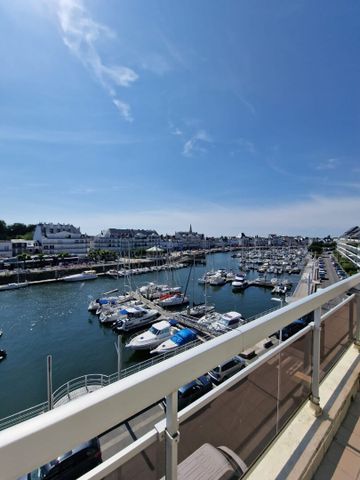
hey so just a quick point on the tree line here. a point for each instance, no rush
(16, 230)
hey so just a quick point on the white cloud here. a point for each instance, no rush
(196, 143)
(124, 109)
(329, 164)
(175, 130)
(80, 34)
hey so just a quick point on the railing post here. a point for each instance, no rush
(357, 320)
(119, 359)
(315, 381)
(49, 383)
(172, 436)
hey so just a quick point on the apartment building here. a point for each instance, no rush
(61, 238)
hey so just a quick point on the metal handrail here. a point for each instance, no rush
(26, 414)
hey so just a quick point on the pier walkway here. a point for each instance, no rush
(305, 286)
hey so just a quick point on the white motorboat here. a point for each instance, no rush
(134, 317)
(151, 338)
(80, 277)
(182, 337)
(226, 322)
(99, 303)
(239, 283)
(217, 280)
(108, 314)
(13, 286)
(280, 289)
(112, 273)
(209, 318)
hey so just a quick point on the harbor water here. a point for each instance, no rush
(53, 319)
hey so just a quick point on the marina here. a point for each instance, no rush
(54, 319)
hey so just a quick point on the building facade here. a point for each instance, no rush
(54, 239)
(5, 249)
(125, 240)
(348, 245)
(189, 240)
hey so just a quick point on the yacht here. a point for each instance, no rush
(200, 310)
(217, 280)
(239, 283)
(182, 337)
(80, 277)
(226, 322)
(151, 338)
(108, 314)
(99, 302)
(209, 318)
(173, 300)
(134, 317)
(153, 290)
(13, 286)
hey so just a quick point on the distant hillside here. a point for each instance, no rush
(16, 230)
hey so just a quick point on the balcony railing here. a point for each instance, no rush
(242, 415)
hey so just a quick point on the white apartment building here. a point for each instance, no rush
(5, 249)
(124, 240)
(348, 245)
(61, 238)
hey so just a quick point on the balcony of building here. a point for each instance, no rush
(274, 419)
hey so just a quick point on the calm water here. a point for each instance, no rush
(53, 319)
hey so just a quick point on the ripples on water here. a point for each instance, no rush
(53, 319)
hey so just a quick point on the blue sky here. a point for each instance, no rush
(235, 116)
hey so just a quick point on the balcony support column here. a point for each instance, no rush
(315, 380)
(172, 436)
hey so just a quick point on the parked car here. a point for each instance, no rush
(71, 465)
(227, 369)
(192, 391)
(292, 328)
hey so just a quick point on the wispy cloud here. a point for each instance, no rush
(156, 63)
(80, 34)
(196, 143)
(174, 130)
(246, 103)
(11, 134)
(174, 52)
(329, 164)
(246, 145)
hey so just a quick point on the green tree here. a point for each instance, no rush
(22, 257)
(3, 230)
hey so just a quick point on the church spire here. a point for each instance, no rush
(190, 230)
